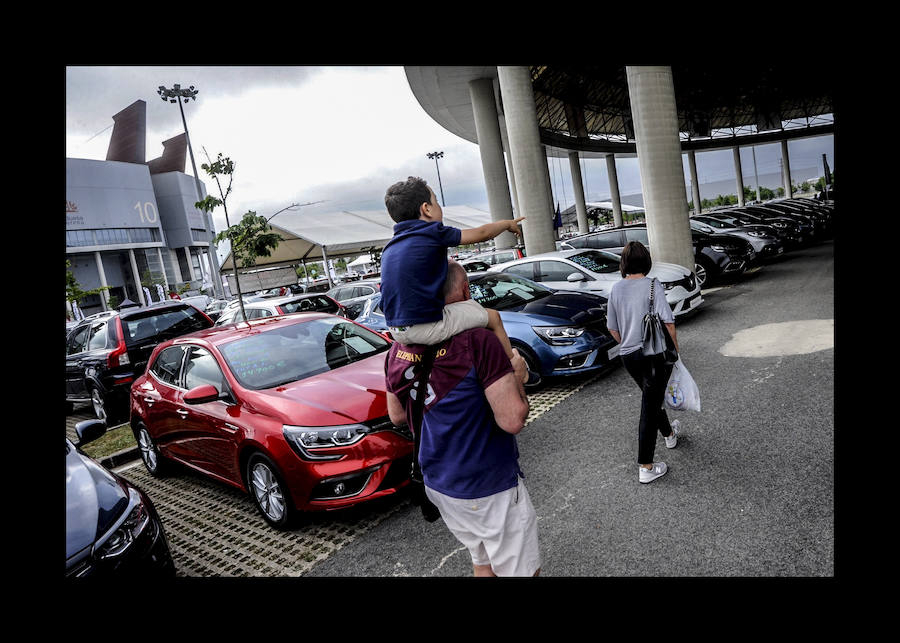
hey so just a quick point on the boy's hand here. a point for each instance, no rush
(514, 225)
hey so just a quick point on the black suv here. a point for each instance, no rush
(104, 355)
(715, 255)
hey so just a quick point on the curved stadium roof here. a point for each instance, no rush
(587, 108)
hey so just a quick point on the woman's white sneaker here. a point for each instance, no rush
(672, 440)
(649, 475)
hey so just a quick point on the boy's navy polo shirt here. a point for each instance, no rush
(413, 270)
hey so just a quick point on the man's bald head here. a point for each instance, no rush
(456, 286)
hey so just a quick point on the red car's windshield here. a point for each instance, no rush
(286, 354)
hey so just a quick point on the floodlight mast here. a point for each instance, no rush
(177, 95)
(436, 156)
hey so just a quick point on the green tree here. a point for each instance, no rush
(74, 291)
(251, 237)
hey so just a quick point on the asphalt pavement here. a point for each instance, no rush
(750, 488)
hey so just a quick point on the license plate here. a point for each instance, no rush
(780, 250)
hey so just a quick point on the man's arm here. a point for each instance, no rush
(508, 402)
(489, 231)
(395, 410)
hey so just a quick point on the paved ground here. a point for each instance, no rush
(750, 490)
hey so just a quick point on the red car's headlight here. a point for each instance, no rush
(309, 439)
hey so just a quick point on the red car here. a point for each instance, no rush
(290, 409)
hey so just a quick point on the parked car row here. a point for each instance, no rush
(729, 241)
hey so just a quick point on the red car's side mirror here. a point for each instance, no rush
(201, 394)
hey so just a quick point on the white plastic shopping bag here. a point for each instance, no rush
(681, 391)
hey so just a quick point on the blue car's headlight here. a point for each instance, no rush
(120, 538)
(558, 335)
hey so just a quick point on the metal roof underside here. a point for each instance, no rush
(343, 234)
(587, 108)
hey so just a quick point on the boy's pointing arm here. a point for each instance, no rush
(489, 231)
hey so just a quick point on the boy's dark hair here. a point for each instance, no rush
(404, 199)
(635, 259)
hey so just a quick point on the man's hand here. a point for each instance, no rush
(514, 225)
(519, 366)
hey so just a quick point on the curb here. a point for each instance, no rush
(119, 458)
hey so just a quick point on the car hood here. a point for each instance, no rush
(562, 307)
(345, 395)
(668, 271)
(94, 500)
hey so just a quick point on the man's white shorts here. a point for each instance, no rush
(498, 530)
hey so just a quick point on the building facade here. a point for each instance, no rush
(132, 224)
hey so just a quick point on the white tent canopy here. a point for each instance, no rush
(307, 236)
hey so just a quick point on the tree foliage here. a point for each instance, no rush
(74, 291)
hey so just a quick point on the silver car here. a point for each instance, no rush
(354, 295)
(595, 271)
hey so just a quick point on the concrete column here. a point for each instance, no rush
(695, 185)
(512, 184)
(613, 178)
(512, 175)
(786, 170)
(653, 110)
(490, 145)
(104, 294)
(137, 277)
(547, 162)
(190, 264)
(529, 164)
(161, 263)
(738, 175)
(578, 187)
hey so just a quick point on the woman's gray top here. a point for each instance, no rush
(629, 301)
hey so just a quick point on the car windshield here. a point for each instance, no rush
(702, 227)
(160, 325)
(715, 223)
(317, 302)
(596, 261)
(276, 356)
(499, 291)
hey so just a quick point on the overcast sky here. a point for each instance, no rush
(337, 134)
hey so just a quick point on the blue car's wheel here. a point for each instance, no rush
(532, 363)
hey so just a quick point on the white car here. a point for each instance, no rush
(595, 271)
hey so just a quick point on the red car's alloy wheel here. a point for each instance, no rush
(268, 491)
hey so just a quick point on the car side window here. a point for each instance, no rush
(97, 338)
(202, 368)
(168, 364)
(522, 270)
(554, 271)
(639, 234)
(77, 340)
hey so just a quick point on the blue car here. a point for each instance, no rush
(557, 332)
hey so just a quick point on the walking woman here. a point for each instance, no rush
(629, 301)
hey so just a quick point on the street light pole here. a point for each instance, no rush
(177, 95)
(436, 156)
